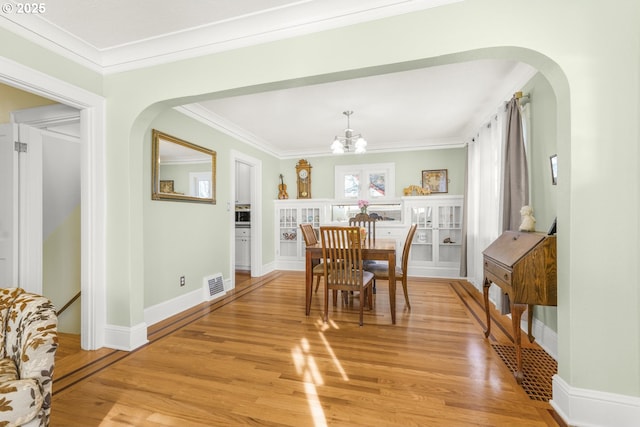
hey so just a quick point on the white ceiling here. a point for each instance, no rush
(430, 107)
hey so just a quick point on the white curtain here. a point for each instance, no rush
(484, 185)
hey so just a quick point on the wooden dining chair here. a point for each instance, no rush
(309, 235)
(366, 221)
(343, 267)
(380, 270)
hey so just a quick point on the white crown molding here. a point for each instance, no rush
(207, 117)
(197, 112)
(42, 33)
(299, 18)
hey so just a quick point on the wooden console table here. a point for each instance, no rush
(524, 266)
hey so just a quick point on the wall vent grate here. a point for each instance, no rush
(214, 286)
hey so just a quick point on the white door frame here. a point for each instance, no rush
(93, 175)
(256, 213)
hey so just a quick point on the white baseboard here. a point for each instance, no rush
(268, 268)
(166, 309)
(589, 408)
(130, 338)
(126, 338)
(546, 337)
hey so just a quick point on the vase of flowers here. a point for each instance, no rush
(363, 205)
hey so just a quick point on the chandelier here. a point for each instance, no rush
(349, 141)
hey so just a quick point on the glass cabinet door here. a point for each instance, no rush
(311, 216)
(449, 233)
(422, 249)
(288, 232)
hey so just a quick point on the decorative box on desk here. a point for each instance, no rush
(524, 266)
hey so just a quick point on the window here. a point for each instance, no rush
(367, 182)
(200, 184)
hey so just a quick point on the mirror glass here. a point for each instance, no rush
(181, 170)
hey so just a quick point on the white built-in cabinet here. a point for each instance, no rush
(243, 183)
(436, 246)
(435, 250)
(289, 241)
(243, 248)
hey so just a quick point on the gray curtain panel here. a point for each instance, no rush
(516, 175)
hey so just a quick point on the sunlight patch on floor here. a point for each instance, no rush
(307, 368)
(333, 356)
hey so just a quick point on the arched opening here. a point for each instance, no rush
(547, 68)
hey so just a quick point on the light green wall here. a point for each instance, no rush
(408, 166)
(592, 73)
(544, 196)
(193, 239)
(61, 271)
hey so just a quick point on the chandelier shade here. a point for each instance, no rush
(350, 141)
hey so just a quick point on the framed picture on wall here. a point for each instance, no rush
(166, 186)
(554, 169)
(436, 180)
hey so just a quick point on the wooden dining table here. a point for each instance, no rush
(373, 249)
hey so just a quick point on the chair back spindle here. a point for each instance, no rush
(366, 221)
(343, 266)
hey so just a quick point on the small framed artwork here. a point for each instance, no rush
(166, 186)
(435, 180)
(554, 169)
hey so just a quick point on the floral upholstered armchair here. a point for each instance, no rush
(29, 340)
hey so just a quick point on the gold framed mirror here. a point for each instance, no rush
(181, 171)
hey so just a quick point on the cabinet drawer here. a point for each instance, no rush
(493, 269)
(389, 233)
(243, 232)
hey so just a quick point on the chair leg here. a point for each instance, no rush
(362, 300)
(326, 302)
(317, 284)
(374, 285)
(406, 293)
(370, 295)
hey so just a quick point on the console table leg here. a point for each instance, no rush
(516, 315)
(485, 292)
(530, 322)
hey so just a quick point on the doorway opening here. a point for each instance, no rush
(246, 218)
(91, 108)
(44, 198)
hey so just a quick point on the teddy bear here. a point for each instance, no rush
(528, 221)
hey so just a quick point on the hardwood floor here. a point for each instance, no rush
(253, 358)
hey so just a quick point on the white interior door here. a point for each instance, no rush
(7, 203)
(30, 217)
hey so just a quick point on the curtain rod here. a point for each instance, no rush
(523, 98)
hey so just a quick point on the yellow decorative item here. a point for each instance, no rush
(416, 190)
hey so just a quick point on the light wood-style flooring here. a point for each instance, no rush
(253, 358)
